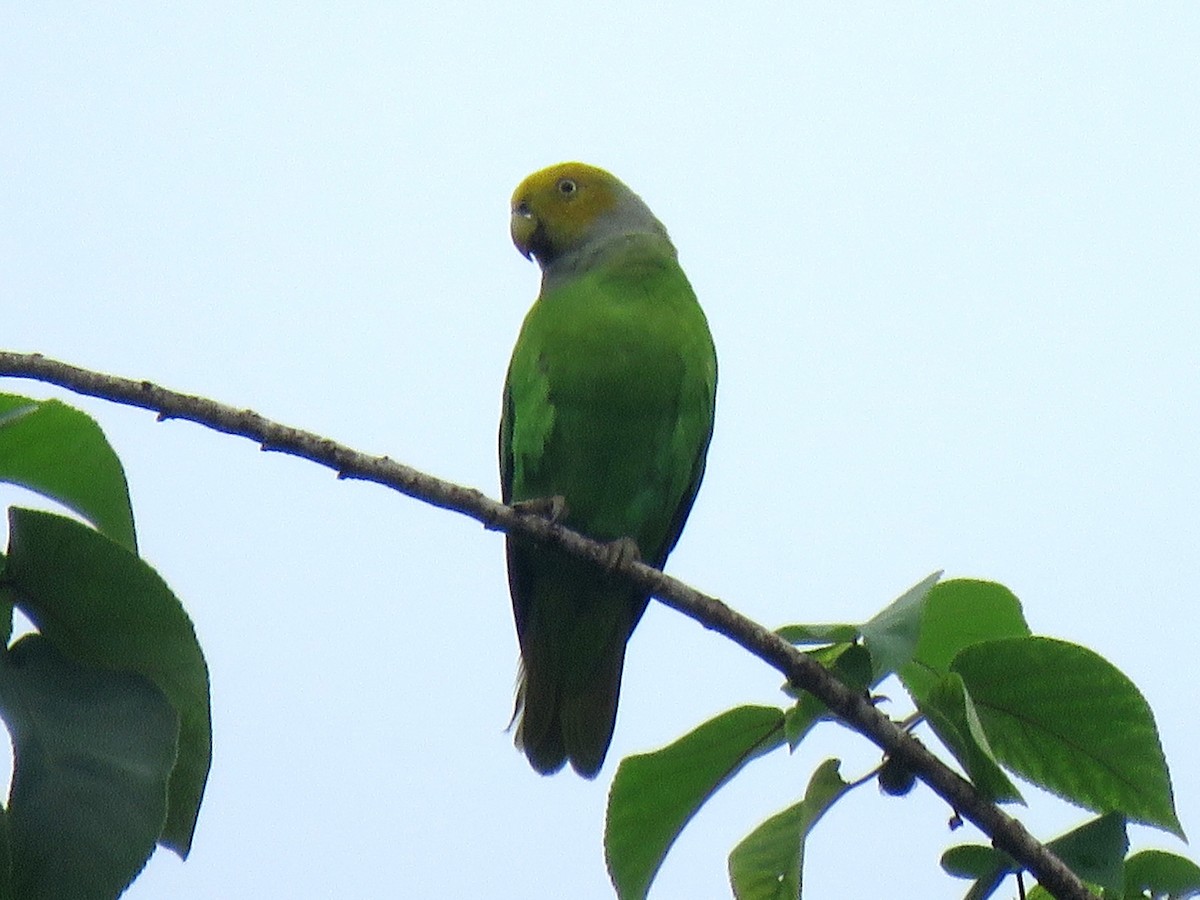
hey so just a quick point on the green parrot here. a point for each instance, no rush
(608, 411)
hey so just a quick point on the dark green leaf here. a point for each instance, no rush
(959, 613)
(892, 635)
(800, 719)
(768, 864)
(831, 657)
(974, 861)
(654, 795)
(61, 453)
(1095, 851)
(986, 866)
(852, 667)
(1161, 875)
(103, 606)
(950, 712)
(850, 664)
(93, 750)
(1068, 720)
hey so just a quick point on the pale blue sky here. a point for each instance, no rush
(951, 259)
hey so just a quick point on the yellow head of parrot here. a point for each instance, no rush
(554, 210)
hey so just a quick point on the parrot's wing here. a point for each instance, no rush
(506, 458)
(696, 476)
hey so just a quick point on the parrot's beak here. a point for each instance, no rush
(522, 227)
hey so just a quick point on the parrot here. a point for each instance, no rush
(608, 411)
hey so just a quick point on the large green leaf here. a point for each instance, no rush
(768, 864)
(103, 606)
(1068, 720)
(958, 613)
(654, 795)
(61, 453)
(93, 750)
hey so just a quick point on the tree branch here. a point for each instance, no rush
(800, 669)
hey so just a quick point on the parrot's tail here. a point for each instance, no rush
(560, 722)
(538, 734)
(587, 718)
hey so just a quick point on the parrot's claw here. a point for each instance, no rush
(553, 508)
(622, 550)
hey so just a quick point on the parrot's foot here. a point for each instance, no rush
(622, 550)
(552, 508)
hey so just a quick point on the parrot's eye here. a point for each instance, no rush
(522, 209)
(567, 187)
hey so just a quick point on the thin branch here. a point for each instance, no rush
(800, 669)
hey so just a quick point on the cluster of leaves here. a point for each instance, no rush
(107, 701)
(996, 696)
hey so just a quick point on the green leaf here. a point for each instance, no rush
(61, 453)
(1159, 874)
(93, 750)
(850, 664)
(975, 861)
(1067, 719)
(799, 720)
(959, 613)
(950, 712)
(818, 634)
(1095, 851)
(852, 667)
(986, 866)
(654, 795)
(892, 635)
(768, 863)
(103, 606)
